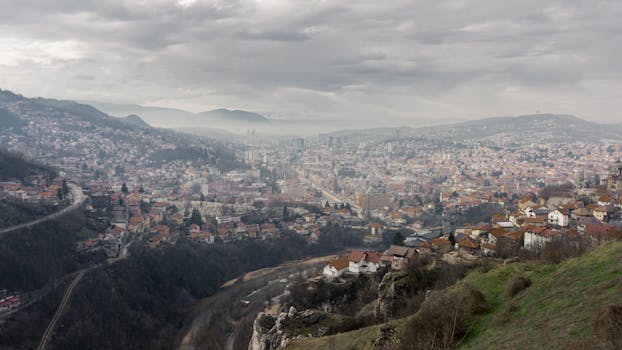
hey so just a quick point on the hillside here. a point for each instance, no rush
(157, 116)
(79, 112)
(552, 127)
(15, 167)
(135, 120)
(518, 129)
(171, 117)
(233, 116)
(56, 130)
(9, 120)
(558, 311)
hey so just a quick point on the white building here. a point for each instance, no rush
(559, 218)
(335, 268)
(536, 239)
(362, 261)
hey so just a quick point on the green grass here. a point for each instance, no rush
(85, 234)
(360, 339)
(557, 310)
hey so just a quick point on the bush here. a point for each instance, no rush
(267, 321)
(445, 319)
(608, 326)
(515, 285)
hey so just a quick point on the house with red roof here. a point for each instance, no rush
(335, 268)
(363, 261)
(399, 257)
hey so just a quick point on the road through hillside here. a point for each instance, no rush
(77, 198)
(223, 321)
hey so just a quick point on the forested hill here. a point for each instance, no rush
(15, 167)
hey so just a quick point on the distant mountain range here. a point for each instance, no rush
(526, 128)
(237, 116)
(40, 127)
(176, 118)
(534, 127)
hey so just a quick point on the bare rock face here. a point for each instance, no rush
(388, 297)
(268, 331)
(263, 332)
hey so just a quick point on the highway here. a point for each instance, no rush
(77, 199)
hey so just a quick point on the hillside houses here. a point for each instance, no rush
(398, 257)
(335, 268)
(363, 261)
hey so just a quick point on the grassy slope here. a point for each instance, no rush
(360, 339)
(559, 307)
(557, 310)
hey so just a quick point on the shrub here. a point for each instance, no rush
(267, 321)
(608, 326)
(516, 284)
(444, 319)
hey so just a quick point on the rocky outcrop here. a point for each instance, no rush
(272, 333)
(261, 338)
(389, 298)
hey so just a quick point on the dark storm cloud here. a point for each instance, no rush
(358, 60)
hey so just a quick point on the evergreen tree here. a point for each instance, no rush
(141, 190)
(124, 188)
(65, 188)
(196, 217)
(285, 213)
(452, 240)
(326, 205)
(398, 239)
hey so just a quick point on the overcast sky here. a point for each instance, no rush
(353, 60)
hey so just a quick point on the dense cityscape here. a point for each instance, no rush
(294, 175)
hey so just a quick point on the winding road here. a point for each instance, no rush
(77, 199)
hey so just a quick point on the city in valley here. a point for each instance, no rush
(272, 175)
(416, 209)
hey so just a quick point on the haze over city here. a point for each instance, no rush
(293, 175)
(362, 63)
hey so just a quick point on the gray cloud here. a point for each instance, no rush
(361, 61)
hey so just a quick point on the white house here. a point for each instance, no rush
(536, 239)
(363, 261)
(559, 218)
(335, 268)
(376, 228)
